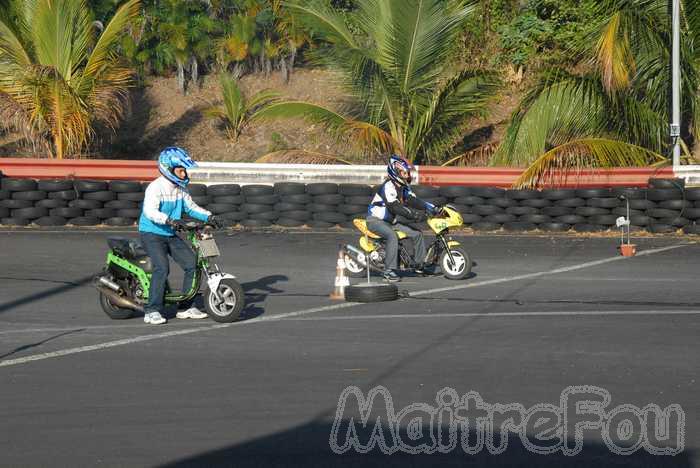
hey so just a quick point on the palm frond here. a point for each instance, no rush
(300, 109)
(323, 20)
(614, 58)
(556, 165)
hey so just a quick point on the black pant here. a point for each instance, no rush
(158, 247)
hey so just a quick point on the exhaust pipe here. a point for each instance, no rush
(361, 258)
(109, 283)
(111, 290)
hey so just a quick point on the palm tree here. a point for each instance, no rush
(237, 111)
(58, 77)
(392, 59)
(615, 111)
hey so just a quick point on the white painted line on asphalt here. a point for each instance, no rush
(277, 317)
(539, 274)
(566, 313)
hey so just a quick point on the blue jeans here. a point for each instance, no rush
(158, 248)
(386, 231)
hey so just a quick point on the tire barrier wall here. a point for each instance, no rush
(665, 205)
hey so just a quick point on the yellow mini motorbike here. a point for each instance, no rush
(444, 251)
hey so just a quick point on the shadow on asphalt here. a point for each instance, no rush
(39, 343)
(309, 445)
(46, 293)
(256, 293)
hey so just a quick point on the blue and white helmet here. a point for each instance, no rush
(173, 157)
(399, 170)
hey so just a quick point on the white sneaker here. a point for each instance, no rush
(154, 318)
(191, 313)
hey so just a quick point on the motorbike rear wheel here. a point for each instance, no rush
(353, 268)
(114, 312)
(227, 307)
(460, 268)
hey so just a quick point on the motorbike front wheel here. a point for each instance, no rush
(229, 303)
(459, 268)
(353, 268)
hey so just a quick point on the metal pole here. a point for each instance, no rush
(676, 82)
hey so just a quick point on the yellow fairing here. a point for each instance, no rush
(453, 243)
(453, 219)
(367, 245)
(402, 235)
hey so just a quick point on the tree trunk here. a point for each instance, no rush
(194, 71)
(238, 70)
(292, 58)
(284, 70)
(181, 77)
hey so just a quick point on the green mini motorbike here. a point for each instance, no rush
(125, 281)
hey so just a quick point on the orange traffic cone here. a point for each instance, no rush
(340, 279)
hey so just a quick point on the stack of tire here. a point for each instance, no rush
(74, 202)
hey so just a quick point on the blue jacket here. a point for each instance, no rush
(165, 200)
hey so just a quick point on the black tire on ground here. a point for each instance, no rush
(642, 204)
(220, 208)
(250, 208)
(640, 220)
(570, 219)
(471, 200)
(90, 185)
(555, 227)
(31, 195)
(49, 203)
(358, 200)
(535, 219)
(287, 222)
(692, 193)
(197, 190)
(5, 194)
(603, 220)
(692, 213)
(85, 204)
(558, 194)
(235, 215)
(66, 212)
(56, 185)
(320, 208)
(500, 218)
(604, 202)
(591, 211)
(536, 202)
(486, 210)
(17, 185)
(671, 183)
(488, 192)
(355, 190)
(677, 222)
(301, 199)
(131, 196)
(349, 224)
(594, 193)
(121, 186)
(203, 200)
(557, 211)
(587, 227)
(661, 213)
(14, 221)
(256, 223)
(517, 226)
(622, 211)
(352, 209)
(330, 217)
(470, 218)
(221, 190)
(289, 188)
(439, 201)
(630, 193)
(228, 199)
(503, 202)
(30, 213)
(282, 207)
(692, 229)
(571, 202)
(316, 224)
(329, 199)
(657, 228)
(67, 195)
(129, 213)
(455, 191)
(425, 191)
(114, 312)
(464, 209)
(486, 226)
(50, 221)
(121, 204)
(674, 204)
(664, 194)
(268, 215)
(117, 221)
(524, 194)
(372, 292)
(4, 212)
(262, 199)
(321, 188)
(102, 195)
(16, 204)
(84, 221)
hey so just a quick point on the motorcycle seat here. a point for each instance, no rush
(131, 249)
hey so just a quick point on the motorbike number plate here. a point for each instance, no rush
(208, 248)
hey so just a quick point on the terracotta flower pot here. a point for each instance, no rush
(628, 250)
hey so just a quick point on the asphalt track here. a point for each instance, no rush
(539, 315)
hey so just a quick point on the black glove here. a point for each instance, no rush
(215, 221)
(176, 224)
